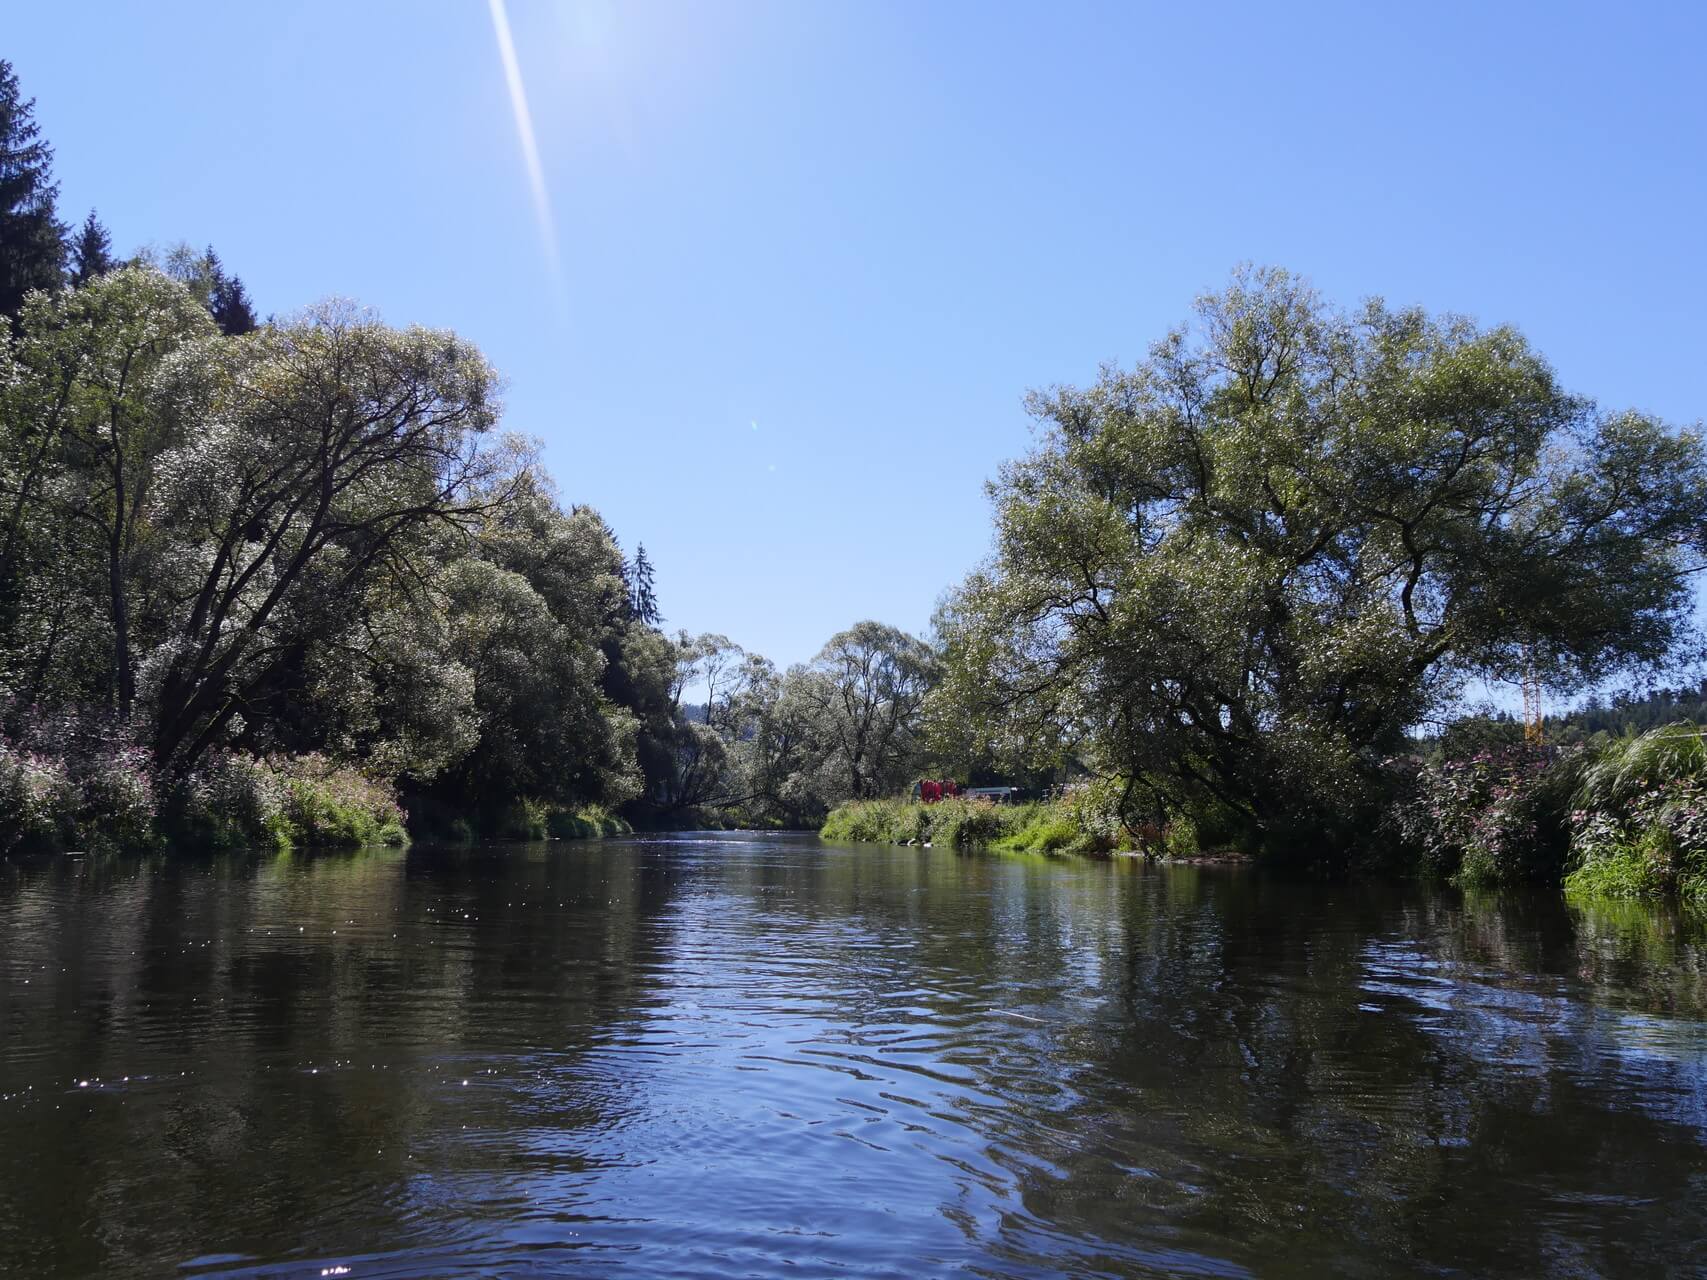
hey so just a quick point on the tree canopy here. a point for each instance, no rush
(1244, 567)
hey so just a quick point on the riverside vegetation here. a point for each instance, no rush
(1232, 582)
(1611, 817)
(288, 581)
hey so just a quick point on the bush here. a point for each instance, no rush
(234, 801)
(590, 822)
(1498, 817)
(118, 806)
(526, 819)
(328, 806)
(109, 800)
(38, 802)
(1640, 825)
(1043, 829)
(1083, 821)
(231, 801)
(523, 819)
(877, 822)
(963, 823)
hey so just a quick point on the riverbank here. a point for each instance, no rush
(1620, 818)
(115, 803)
(1058, 826)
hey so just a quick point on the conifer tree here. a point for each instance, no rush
(643, 600)
(91, 251)
(230, 306)
(32, 240)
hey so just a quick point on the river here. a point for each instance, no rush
(734, 1055)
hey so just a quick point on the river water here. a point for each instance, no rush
(730, 1055)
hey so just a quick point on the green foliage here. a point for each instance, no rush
(529, 819)
(222, 294)
(326, 805)
(879, 821)
(523, 819)
(119, 806)
(32, 241)
(1640, 823)
(1626, 818)
(230, 801)
(961, 823)
(765, 748)
(1619, 871)
(1076, 823)
(1493, 818)
(1628, 770)
(37, 801)
(1244, 567)
(1043, 829)
(111, 801)
(1636, 710)
(589, 822)
(91, 251)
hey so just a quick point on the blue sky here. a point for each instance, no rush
(812, 254)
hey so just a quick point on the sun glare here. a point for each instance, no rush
(525, 135)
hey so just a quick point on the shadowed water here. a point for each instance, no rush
(711, 1056)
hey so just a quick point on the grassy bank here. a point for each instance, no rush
(112, 802)
(1620, 818)
(1080, 823)
(535, 820)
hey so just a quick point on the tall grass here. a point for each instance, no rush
(1065, 825)
(529, 819)
(110, 800)
(1639, 825)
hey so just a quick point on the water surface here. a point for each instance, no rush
(719, 1056)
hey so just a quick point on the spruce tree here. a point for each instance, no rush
(32, 240)
(643, 602)
(91, 251)
(229, 304)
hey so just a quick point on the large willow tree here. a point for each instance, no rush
(1236, 573)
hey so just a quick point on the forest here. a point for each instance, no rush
(292, 581)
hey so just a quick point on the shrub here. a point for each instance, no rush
(963, 823)
(329, 806)
(1041, 830)
(590, 822)
(878, 822)
(1083, 821)
(231, 801)
(1498, 817)
(38, 801)
(1640, 825)
(523, 819)
(118, 805)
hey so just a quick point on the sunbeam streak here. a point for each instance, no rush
(524, 133)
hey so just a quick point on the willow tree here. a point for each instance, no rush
(1239, 571)
(81, 429)
(865, 694)
(318, 459)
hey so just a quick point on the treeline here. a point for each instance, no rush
(1633, 711)
(263, 583)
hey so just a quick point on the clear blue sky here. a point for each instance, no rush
(813, 254)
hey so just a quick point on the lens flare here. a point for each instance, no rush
(524, 134)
